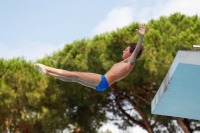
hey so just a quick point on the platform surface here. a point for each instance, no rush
(179, 93)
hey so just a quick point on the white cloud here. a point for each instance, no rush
(140, 12)
(27, 49)
(185, 7)
(117, 18)
(144, 13)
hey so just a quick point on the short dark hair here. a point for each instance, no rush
(132, 48)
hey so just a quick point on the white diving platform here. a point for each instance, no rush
(179, 93)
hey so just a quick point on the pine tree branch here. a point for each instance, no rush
(141, 98)
(126, 114)
(158, 119)
(146, 123)
(197, 128)
(182, 125)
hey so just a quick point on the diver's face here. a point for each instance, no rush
(126, 53)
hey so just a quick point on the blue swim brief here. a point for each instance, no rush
(103, 84)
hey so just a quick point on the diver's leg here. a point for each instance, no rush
(83, 77)
(72, 80)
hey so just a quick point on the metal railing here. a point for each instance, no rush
(196, 47)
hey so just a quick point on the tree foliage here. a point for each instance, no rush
(33, 103)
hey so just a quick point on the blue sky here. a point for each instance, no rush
(35, 28)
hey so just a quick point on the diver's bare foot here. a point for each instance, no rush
(40, 68)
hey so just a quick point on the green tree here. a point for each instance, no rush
(21, 93)
(31, 102)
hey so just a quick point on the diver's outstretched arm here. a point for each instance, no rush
(133, 57)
